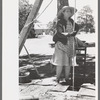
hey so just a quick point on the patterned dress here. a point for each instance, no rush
(63, 53)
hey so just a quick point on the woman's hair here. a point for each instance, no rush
(61, 16)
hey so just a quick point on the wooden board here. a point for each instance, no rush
(59, 88)
(40, 91)
(30, 83)
(87, 90)
(47, 82)
(58, 92)
(29, 90)
(88, 86)
(28, 97)
(21, 88)
(37, 91)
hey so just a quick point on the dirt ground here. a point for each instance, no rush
(41, 45)
(41, 52)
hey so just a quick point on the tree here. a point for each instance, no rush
(28, 24)
(24, 10)
(86, 20)
(49, 25)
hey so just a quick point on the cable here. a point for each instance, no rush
(27, 26)
(39, 15)
(45, 9)
(31, 60)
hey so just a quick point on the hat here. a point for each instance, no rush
(73, 10)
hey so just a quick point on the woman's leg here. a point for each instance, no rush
(67, 72)
(58, 72)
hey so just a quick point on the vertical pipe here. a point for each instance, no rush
(73, 53)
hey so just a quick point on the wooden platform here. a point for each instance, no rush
(48, 89)
(87, 90)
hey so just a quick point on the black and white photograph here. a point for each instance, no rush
(57, 50)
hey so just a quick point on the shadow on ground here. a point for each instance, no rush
(42, 63)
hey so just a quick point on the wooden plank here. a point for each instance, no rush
(81, 48)
(88, 86)
(27, 90)
(87, 90)
(54, 96)
(40, 91)
(22, 88)
(61, 3)
(28, 97)
(60, 88)
(26, 29)
(35, 91)
(74, 95)
(48, 82)
(33, 82)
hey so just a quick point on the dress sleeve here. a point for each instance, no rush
(76, 27)
(60, 30)
(76, 30)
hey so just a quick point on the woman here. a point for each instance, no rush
(64, 41)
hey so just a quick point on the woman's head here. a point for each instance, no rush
(66, 12)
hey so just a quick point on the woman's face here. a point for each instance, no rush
(67, 13)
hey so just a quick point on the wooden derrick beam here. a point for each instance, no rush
(61, 3)
(26, 29)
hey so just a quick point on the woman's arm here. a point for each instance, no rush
(60, 30)
(76, 29)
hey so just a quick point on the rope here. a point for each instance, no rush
(73, 50)
(45, 8)
(27, 26)
(31, 60)
(39, 15)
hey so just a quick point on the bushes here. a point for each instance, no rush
(24, 10)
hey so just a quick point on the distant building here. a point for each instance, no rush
(41, 29)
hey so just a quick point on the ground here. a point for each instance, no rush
(41, 45)
(41, 52)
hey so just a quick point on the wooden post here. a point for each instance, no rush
(26, 29)
(61, 3)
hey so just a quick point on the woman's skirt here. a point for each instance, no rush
(60, 57)
(65, 55)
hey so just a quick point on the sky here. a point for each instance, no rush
(50, 12)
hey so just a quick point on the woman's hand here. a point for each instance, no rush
(72, 32)
(64, 33)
